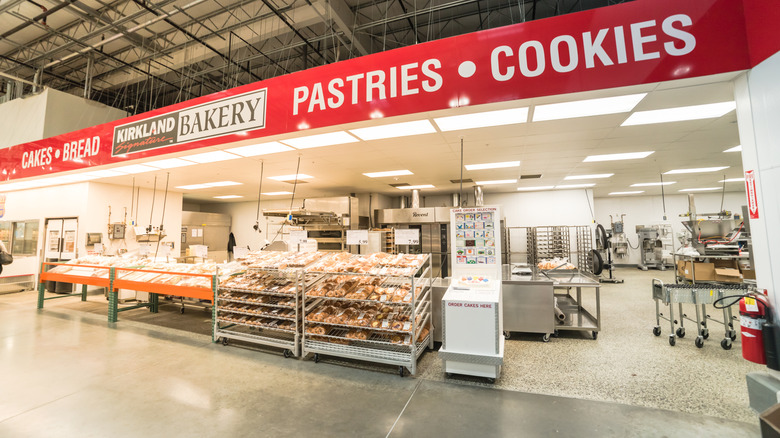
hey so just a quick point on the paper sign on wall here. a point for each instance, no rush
(240, 252)
(200, 250)
(357, 237)
(98, 247)
(297, 237)
(194, 232)
(407, 237)
(144, 250)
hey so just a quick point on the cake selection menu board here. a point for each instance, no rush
(476, 237)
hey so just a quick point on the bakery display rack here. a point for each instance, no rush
(382, 315)
(262, 306)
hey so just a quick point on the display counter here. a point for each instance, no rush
(529, 305)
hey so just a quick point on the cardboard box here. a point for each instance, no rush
(748, 274)
(727, 275)
(770, 422)
(731, 264)
(701, 271)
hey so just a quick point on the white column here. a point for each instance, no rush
(757, 95)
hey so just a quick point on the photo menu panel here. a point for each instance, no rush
(476, 232)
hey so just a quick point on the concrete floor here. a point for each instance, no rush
(66, 372)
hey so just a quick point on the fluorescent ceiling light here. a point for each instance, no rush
(210, 157)
(277, 193)
(534, 189)
(701, 189)
(665, 183)
(593, 176)
(207, 185)
(290, 177)
(733, 180)
(194, 187)
(636, 192)
(315, 141)
(737, 148)
(587, 108)
(422, 186)
(499, 165)
(223, 184)
(496, 181)
(681, 114)
(170, 163)
(104, 173)
(394, 130)
(259, 149)
(482, 120)
(574, 186)
(77, 177)
(615, 157)
(228, 197)
(696, 170)
(388, 173)
(135, 168)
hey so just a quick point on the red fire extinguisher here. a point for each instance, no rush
(752, 317)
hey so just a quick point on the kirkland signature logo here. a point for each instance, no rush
(233, 114)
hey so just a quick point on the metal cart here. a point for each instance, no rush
(577, 318)
(699, 295)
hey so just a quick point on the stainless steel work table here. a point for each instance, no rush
(577, 317)
(528, 303)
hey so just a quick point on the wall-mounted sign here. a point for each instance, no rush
(407, 237)
(357, 237)
(752, 196)
(604, 48)
(296, 237)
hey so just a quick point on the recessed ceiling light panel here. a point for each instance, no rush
(695, 170)
(635, 192)
(587, 108)
(404, 129)
(210, 157)
(388, 173)
(650, 184)
(319, 140)
(259, 149)
(701, 189)
(228, 197)
(417, 187)
(593, 176)
(737, 148)
(499, 165)
(276, 193)
(483, 119)
(615, 157)
(574, 186)
(681, 114)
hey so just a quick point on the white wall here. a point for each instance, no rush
(66, 113)
(22, 120)
(89, 203)
(538, 209)
(758, 112)
(243, 216)
(50, 113)
(648, 210)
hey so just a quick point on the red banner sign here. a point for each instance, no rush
(752, 196)
(644, 41)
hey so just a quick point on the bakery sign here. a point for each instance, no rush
(244, 112)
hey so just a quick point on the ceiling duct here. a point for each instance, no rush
(478, 197)
(415, 199)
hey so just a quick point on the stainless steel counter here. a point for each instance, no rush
(528, 302)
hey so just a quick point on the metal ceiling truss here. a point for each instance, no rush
(142, 54)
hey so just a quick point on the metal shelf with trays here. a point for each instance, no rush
(375, 340)
(267, 316)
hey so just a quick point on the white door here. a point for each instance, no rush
(53, 238)
(61, 238)
(69, 233)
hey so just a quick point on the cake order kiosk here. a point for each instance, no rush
(473, 341)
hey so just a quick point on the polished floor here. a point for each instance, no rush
(65, 372)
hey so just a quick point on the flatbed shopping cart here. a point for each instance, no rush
(699, 295)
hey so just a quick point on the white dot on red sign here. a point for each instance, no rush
(57, 153)
(467, 69)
